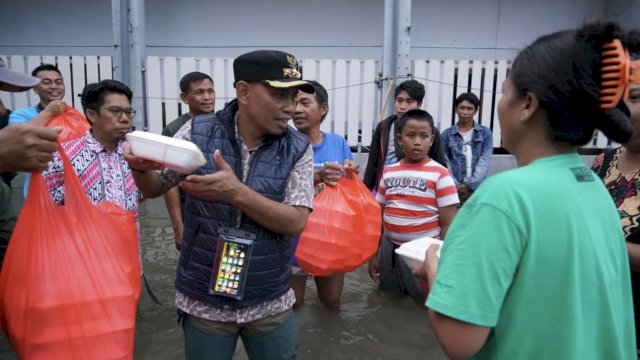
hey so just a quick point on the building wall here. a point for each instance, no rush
(491, 29)
(440, 29)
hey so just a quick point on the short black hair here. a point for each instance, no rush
(190, 78)
(414, 89)
(470, 97)
(45, 67)
(562, 70)
(320, 94)
(93, 94)
(415, 114)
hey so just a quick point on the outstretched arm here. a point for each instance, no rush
(224, 185)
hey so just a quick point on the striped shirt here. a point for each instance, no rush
(412, 195)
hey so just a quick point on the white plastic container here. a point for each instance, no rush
(413, 251)
(179, 155)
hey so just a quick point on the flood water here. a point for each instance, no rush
(369, 324)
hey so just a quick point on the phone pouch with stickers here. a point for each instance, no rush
(232, 262)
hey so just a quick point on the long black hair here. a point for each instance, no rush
(563, 71)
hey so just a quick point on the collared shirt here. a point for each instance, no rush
(298, 192)
(104, 174)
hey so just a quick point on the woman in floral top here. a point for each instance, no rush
(620, 170)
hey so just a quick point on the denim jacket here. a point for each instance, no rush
(481, 151)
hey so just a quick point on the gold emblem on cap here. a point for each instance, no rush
(291, 73)
(292, 61)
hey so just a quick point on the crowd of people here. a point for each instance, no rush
(537, 262)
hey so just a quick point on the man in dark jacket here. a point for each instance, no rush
(241, 210)
(408, 96)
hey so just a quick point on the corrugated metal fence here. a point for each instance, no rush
(354, 94)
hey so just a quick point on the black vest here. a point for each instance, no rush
(269, 271)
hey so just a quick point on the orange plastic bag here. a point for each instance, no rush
(70, 282)
(73, 124)
(342, 232)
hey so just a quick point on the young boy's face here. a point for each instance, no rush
(404, 103)
(415, 140)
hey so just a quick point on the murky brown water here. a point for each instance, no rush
(369, 325)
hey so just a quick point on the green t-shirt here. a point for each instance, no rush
(538, 255)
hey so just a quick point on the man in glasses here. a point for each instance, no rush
(97, 156)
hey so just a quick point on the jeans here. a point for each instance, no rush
(273, 337)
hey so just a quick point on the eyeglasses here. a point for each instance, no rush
(118, 111)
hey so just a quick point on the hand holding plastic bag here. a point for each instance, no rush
(343, 231)
(73, 124)
(70, 282)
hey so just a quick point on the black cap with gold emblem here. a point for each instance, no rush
(270, 67)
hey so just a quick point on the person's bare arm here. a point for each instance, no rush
(172, 201)
(634, 256)
(54, 108)
(458, 339)
(225, 186)
(446, 215)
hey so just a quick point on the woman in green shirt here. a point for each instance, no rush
(534, 266)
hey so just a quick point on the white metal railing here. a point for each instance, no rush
(77, 71)
(349, 83)
(354, 97)
(444, 80)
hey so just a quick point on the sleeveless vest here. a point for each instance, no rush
(269, 271)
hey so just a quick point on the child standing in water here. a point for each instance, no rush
(418, 198)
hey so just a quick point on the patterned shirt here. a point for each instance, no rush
(625, 190)
(103, 174)
(412, 195)
(298, 192)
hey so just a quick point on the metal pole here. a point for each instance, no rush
(388, 50)
(403, 40)
(116, 24)
(137, 42)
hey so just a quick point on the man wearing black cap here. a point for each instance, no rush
(23, 147)
(258, 179)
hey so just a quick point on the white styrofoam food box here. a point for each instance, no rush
(179, 155)
(413, 251)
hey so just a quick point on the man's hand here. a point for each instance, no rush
(350, 165)
(374, 269)
(222, 185)
(429, 267)
(329, 174)
(25, 147)
(138, 163)
(463, 192)
(56, 107)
